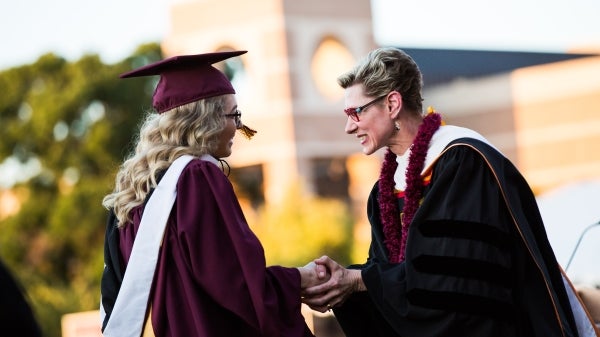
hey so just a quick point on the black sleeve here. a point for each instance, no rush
(16, 316)
(112, 277)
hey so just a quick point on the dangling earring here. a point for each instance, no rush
(396, 125)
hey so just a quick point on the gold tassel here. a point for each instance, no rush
(247, 132)
(431, 110)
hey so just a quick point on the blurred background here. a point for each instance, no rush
(524, 74)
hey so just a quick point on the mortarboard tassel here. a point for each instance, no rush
(247, 132)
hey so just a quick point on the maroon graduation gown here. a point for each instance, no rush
(211, 278)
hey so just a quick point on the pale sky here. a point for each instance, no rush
(522, 25)
(114, 28)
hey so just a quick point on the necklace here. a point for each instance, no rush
(395, 228)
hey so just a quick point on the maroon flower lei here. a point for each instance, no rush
(395, 228)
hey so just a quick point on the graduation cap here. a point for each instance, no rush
(188, 78)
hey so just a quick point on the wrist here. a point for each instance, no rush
(357, 281)
(304, 277)
(301, 277)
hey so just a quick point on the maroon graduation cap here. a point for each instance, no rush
(186, 78)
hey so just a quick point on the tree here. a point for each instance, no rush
(302, 228)
(66, 127)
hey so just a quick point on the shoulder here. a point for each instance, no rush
(474, 155)
(207, 166)
(479, 148)
(199, 163)
(447, 135)
(450, 134)
(451, 140)
(205, 173)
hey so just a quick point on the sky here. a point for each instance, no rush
(114, 28)
(522, 25)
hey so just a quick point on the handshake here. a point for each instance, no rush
(326, 284)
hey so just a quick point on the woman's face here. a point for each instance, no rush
(375, 125)
(226, 137)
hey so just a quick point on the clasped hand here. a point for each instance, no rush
(326, 284)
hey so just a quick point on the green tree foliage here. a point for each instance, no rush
(303, 228)
(67, 126)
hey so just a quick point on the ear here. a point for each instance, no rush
(394, 100)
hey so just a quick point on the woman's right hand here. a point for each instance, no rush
(312, 274)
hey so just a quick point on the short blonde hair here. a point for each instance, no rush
(384, 70)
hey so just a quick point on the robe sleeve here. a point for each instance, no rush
(227, 260)
(111, 274)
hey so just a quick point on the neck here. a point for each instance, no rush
(404, 137)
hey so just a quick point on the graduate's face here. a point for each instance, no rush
(374, 126)
(231, 125)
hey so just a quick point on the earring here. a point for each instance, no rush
(396, 126)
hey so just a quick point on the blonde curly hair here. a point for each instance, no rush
(191, 129)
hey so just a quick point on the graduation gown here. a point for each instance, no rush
(211, 278)
(478, 261)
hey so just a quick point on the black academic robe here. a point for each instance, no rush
(211, 279)
(478, 261)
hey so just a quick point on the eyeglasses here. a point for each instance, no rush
(355, 112)
(237, 118)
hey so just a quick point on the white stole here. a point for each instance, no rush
(127, 317)
(443, 136)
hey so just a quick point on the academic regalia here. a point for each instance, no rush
(478, 262)
(211, 278)
(16, 316)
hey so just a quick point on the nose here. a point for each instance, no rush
(351, 126)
